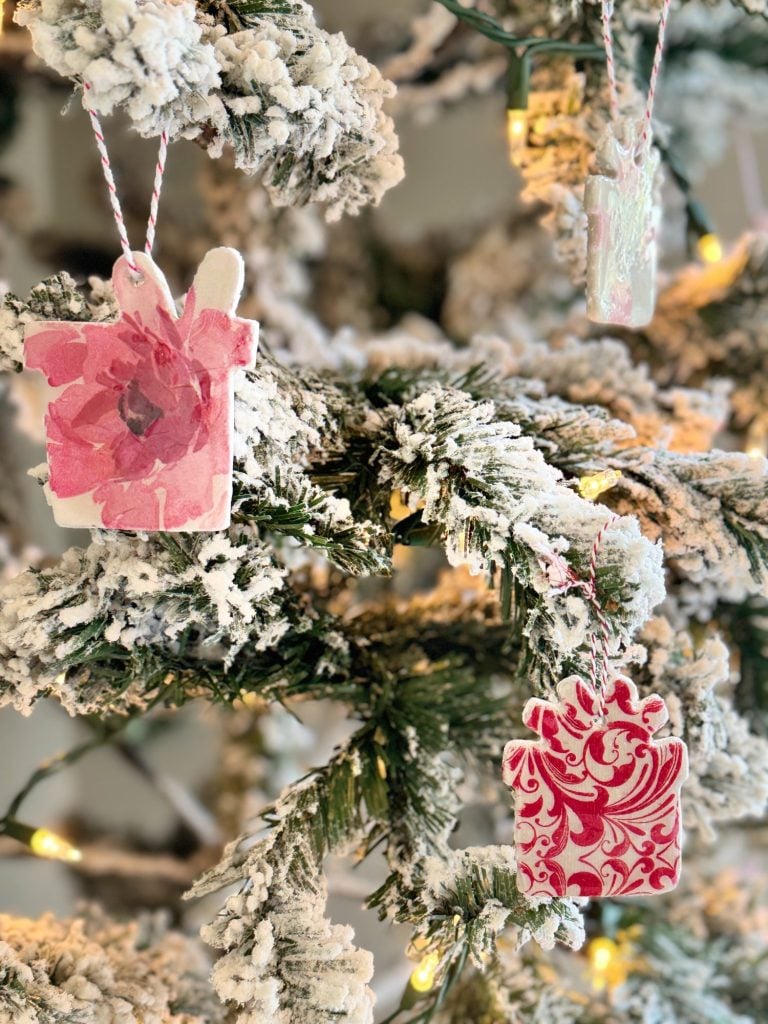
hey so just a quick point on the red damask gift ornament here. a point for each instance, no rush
(140, 419)
(597, 799)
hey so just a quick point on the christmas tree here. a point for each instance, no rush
(451, 492)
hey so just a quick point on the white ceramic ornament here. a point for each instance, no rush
(597, 798)
(622, 225)
(140, 415)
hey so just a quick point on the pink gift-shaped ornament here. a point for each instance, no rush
(597, 799)
(622, 226)
(140, 419)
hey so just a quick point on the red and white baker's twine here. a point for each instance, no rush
(605, 631)
(112, 189)
(156, 188)
(655, 70)
(613, 91)
(599, 676)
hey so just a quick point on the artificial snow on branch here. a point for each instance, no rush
(541, 393)
(91, 968)
(498, 506)
(461, 903)
(282, 956)
(56, 298)
(711, 322)
(306, 111)
(298, 105)
(199, 597)
(729, 764)
(484, 459)
(488, 464)
(395, 782)
(146, 56)
(718, 524)
(282, 422)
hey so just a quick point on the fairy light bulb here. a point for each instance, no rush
(710, 248)
(517, 128)
(423, 978)
(518, 85)
(595, 484)
(612, 961)
(756, 446)
(248, 701)
(44, 843)
(602, 955)
(602, 952)
(398, 509)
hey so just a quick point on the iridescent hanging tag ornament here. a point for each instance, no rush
(622, 215)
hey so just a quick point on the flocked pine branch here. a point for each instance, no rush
(709, 509)
(710, 322)
(729, 763)
(283, 422)
(87, 629)
(298, 105)
(281, 953)
(93, 968)
(724, 493)
(323, 476)
(489, 467)
(597, 379)
(390, 783)
(718, 498)
(697, 955)
(461, 904)
(500, 508)
(92, 632)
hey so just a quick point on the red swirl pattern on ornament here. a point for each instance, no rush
(597, 799)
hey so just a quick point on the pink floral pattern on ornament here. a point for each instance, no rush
(597, 799)
(140, 423)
